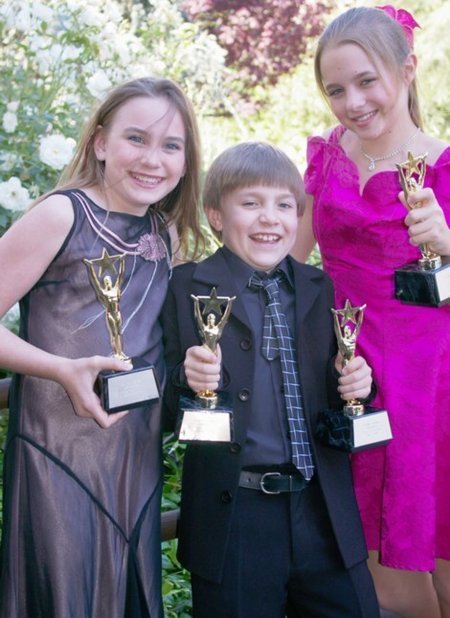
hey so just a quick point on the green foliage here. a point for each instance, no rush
(186, 53)
(176, 587)
(433, 52)
(59, 57)
(263, 40)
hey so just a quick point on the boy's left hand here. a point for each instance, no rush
(355, 381)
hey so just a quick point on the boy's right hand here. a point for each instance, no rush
(78, 376)
(202, 368)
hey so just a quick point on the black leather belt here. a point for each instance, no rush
(272, 482)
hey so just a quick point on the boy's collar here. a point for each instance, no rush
(285, 270)
(244, 271)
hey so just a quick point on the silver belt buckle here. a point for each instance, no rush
(261, 483)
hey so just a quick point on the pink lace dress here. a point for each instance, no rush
(403, 489)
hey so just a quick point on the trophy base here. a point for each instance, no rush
(419, 286)
(205, 421)
(125, 390)
(354, 433)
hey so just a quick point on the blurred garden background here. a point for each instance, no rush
(246, 65)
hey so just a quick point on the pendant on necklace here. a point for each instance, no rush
(386, 157)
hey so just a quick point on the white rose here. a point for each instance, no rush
(42, 13)
(13, 106)
(37, 43)
(9, 122)
(114, 12)
(7, 161)
(89, 16)
(23, 21)
(12, 195)
(70, 52)
(55, 52)
(56, 150)
(98, 84)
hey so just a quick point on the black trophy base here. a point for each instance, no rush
(125, 390)
(354, 433)
(418, 286)
(200, 421)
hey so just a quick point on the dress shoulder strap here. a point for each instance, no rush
(336, 134)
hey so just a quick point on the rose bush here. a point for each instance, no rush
(59, 56)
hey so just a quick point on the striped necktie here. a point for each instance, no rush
(278, 340)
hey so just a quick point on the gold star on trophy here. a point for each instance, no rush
(349, 313)
(213, 302)
(345, 335)
(412, 173)
(106, 263)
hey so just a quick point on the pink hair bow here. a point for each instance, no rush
(405, 19)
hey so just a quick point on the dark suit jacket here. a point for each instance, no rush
(211, 471)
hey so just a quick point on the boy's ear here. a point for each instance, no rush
(214, 217)
(99, 143)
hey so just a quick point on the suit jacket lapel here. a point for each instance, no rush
(306, 292)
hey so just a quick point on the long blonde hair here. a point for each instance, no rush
(380, 36)
(181, 206)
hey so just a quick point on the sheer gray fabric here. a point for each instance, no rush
(81, 531)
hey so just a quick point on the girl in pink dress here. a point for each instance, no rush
(356, 211)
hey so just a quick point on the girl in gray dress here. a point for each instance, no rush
(81, 535)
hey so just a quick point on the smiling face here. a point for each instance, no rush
(366, 98)
(143, 150)
(258, 223)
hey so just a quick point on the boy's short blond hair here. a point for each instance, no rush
(248, 164)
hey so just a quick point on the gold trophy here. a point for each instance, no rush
(208, 417)
(357, 426)
(121, 390)
(427, 281)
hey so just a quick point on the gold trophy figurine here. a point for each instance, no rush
(108, 294)
(426, 281)
(208, 416)
(347, 324)
(412, 176)
(121, 390)
(355, 427)
(211, 330)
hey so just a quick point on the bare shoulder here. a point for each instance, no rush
(49, 221)
(56, 210)
(432, 146)
(326, 134)
(30, 245)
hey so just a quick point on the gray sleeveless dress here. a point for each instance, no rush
(81, 532)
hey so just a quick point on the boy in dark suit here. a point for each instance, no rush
(269, 524)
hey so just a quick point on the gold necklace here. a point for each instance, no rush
(373, 160)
